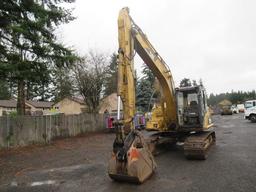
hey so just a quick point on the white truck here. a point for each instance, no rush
(250, 110)
(241, 108)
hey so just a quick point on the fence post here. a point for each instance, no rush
(8, 131)
(50, 131)
(46, 130)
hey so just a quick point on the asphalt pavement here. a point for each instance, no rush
(230, 167)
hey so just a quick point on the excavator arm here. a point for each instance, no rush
(131, 40)
(126, 74)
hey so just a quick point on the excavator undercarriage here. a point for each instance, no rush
(197, 145)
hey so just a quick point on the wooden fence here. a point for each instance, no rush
(25, 130)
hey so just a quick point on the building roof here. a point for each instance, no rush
(8, 103)
(40, 104)
(109, 103)
(225, 102)
(77, 99)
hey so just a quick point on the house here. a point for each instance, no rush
(32, 107)
(225, 102)
(39, 107)
(76, 105)
(8, 106)
(70, 105)
(109, 103)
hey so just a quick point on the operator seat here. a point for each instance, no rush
(193, 103)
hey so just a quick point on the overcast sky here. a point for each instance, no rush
(213, 40)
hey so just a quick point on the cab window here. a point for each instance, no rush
(248, 104)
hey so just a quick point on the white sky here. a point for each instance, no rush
(210, 39)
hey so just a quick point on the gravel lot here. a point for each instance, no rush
(79, 164)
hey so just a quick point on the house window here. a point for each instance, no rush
(56, 107)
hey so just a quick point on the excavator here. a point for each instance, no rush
(184, 113)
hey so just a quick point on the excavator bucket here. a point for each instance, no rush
(132, 162)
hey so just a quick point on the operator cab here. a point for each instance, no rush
(250, 103)
(191, 106)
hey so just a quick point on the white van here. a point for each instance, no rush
(240, 108)
(250, 110)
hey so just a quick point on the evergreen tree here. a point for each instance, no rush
(110, 84)
(236, 97)
(28, 46)
(144, 89)
(148, 75)
(4, 90)
(64, 84)
(40, 92)
(143, 94)
(185, 82)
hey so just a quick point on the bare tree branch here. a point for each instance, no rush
(90, 74)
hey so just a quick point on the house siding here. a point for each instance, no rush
(68, 106)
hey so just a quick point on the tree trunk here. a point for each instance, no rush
(21, 97)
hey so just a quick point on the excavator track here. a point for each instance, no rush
(197, 145)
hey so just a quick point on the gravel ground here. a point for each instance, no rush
(79, 164)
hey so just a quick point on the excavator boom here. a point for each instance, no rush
(160, 70)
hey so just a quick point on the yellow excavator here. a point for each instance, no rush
(184, 111)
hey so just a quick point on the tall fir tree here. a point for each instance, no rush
(63, 84)
(29, 49)
(186, 82)
(5, 92)
(144, 89)
(110, 84)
